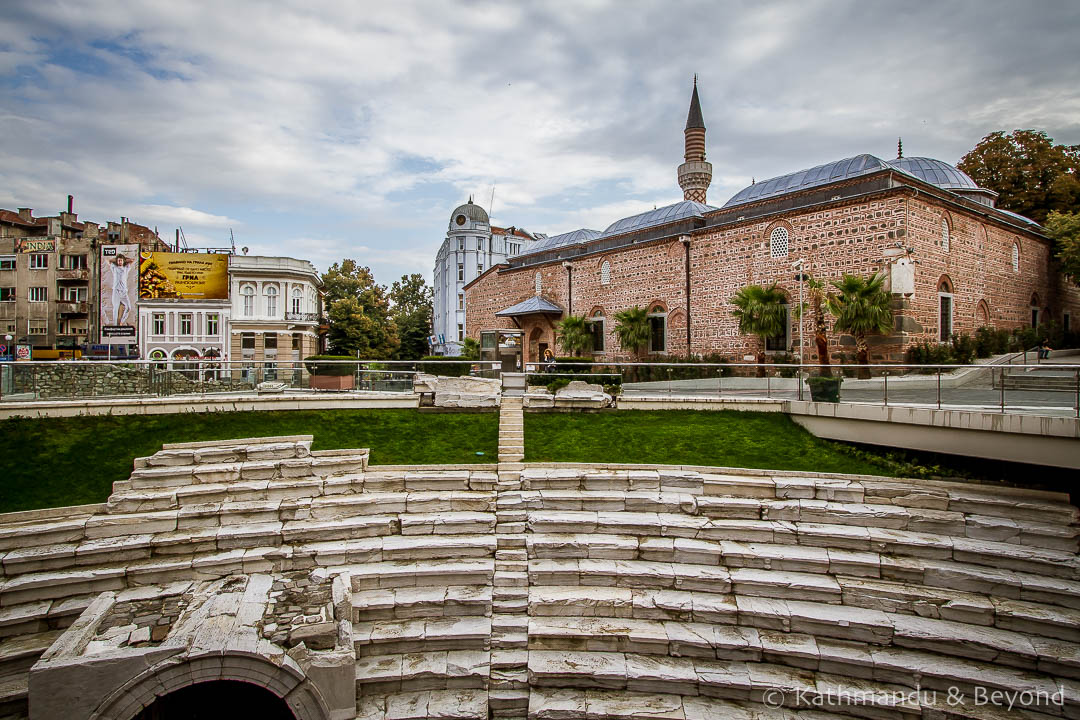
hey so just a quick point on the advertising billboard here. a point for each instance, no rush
(35, 245)
(119, 282)
(189, 276)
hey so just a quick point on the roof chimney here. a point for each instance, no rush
(71, 203)
(26, 214)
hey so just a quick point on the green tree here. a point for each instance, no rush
(761, 311)
(862, 307)
(470, 349)
(412, 311)
(1032, 175)
(1064, 229)
(632, 329)
(574, 336)
(358, 310)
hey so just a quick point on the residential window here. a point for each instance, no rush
(185, 324)
(297, 301)
(461, 332)
(7, 294)
(39, 261)
(657, 332)
(158, 324)
(461, 301)
(212, 324)
(248, 294)
(513, 248)
(297, 339)
(72, 262)
(72, 294)
(595, 328)
(271, 300)
(39, 294)
(779, 342)
(247, 346)
(479, 269)
(7, 262)
(461, 244)
(270, 341)
(11, 327)
(38, 327)
(479, 244)
(461, 271)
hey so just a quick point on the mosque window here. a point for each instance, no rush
(605, 273)
(944, 234)
(1016, 257)
(945, 310)
(778, 242)
(539, 283)
(595, 327)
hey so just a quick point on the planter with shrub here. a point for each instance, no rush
(824, 389)
(331, 375)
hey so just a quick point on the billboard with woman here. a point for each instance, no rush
(118, 290)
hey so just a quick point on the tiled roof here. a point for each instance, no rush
(533, 305)
(659, 216)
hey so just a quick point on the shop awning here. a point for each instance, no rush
(535, 305)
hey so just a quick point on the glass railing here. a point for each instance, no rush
(1033, 386)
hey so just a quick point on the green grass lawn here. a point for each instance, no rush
(73, 461)
(688, 437)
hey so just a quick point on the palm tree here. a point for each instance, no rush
(633, 329)
(861, 307)
(574, 336)
(762, 312)
(818, 301)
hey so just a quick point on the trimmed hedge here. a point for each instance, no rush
(332, 369)
(445, 369)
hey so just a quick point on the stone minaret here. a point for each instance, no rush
(695, 174)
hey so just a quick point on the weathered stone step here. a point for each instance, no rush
(392, 637)
(418, 602)
(397, 574)
(460, 704)
(440, 670)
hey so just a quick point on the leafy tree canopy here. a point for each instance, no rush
(1064, 228)
(861, 305)
(1033, 176)
(573, 336)
(760, 310)
(632, 328)
(359, 312)
(412, 311)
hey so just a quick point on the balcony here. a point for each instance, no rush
(72, 308)
(301, 317)
(76, 274)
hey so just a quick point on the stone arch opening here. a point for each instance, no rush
(217, 698)
(288, 685)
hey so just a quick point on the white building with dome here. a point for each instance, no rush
(471, 247)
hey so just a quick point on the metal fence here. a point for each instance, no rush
(67, 380)
(1035, 386)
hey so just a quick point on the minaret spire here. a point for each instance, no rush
(695, 174)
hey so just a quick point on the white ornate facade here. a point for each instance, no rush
(275, 309)
(472, 245)
(181, 330)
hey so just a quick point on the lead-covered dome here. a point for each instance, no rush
(470, 211)
(935, 172)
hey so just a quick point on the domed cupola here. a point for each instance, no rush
(944, 176)
(468, 216)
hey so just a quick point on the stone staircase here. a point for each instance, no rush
(1050, 379)
(528, 590)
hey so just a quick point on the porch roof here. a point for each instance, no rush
(533, 306)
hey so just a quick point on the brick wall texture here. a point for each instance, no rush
(848, 236)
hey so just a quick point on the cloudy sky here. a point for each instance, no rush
(331, 129)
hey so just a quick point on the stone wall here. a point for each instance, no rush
(63, 380)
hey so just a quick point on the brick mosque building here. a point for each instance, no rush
(954, 262)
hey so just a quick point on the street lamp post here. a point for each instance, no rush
(797, 265)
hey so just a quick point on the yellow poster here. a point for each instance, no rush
(191, 276)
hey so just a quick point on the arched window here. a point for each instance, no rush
(595, 327)
(248, 293)
(778, 242)
(539, 282)
(297, 300)
(945, 310)
(271, 300)
(945, 234)
(982, 314)
(605, 273)
(1016, 257)
(658, 329)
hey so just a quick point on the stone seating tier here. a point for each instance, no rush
(586, 591)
